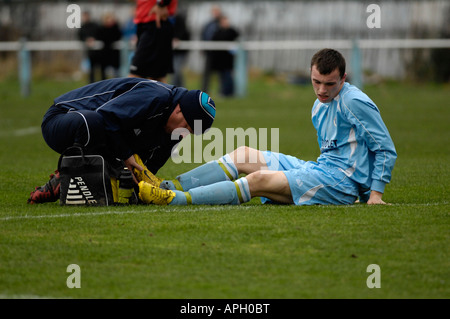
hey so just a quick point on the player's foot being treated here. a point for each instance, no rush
(48, 192)
(150, 194)
(145, 175)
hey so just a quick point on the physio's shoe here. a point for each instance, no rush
(145, 175)
(48, 192)
(150, 194)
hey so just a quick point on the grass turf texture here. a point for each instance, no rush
(247, 251)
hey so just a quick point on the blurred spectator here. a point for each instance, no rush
(109, 34)
(223, 61)
(87, 33)
(207, 34)
(181, 33)
(440, 58)
(153, 57)
(129, 30)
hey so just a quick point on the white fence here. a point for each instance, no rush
(241, 50)
(284, 27)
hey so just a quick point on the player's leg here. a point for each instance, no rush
(248, 160)
(272, 185)
(221, 193)
(243, 160)
(212, 172)
(314, 184)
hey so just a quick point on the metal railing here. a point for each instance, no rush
(24, 47)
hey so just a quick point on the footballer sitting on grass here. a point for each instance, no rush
(356, 160)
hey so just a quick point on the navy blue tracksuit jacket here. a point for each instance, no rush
(116, 118)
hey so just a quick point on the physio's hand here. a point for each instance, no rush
(130, 164)
(375, 198)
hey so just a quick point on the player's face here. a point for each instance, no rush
(326, 86)
(177, 120)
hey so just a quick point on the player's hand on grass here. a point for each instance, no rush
(375, 198)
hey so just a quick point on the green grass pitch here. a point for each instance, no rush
(248, 251)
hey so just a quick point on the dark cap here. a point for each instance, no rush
(198, 106)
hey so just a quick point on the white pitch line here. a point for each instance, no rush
(27, 131)
(22, 132)
(183, 210)
(5, 296)
(193, 209)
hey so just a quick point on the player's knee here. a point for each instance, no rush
(264, 181)
(239, 154)
(260, 179)
(245, 155)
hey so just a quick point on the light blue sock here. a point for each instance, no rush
(221, 193)
(180, 198)
(212, 172)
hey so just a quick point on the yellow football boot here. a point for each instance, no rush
(145, 175)
(150, 194)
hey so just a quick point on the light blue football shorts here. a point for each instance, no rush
(312, 183)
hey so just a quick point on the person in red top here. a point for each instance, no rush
(153, 55)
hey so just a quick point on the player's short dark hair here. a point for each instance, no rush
(327, 60)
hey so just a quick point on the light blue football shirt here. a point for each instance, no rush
(353, 137)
